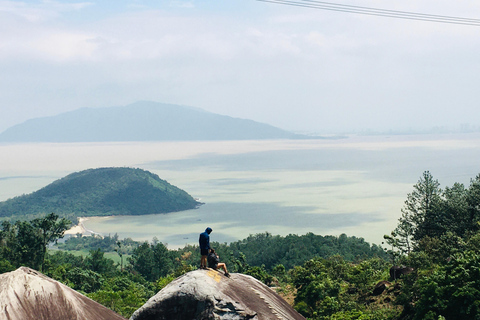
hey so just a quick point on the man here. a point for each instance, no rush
(204, 242)
(214, 262)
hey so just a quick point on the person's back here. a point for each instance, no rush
(213, 260)
(204, 240)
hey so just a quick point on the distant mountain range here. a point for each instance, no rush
(141, 121)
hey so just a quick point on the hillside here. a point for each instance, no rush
(103, 191)
(141, 121)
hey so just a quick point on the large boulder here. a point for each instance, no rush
(26, 294)
(397, 271)
(208, 294)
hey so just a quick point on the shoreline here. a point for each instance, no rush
(79, 228)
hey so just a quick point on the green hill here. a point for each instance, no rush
(100, 192)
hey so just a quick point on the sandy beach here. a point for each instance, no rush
(79, 228)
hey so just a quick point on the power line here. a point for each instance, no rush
(376, 11)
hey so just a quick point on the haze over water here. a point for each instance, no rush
(355, 186)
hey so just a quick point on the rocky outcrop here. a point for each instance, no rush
(208, 294)
(397, 271)
(380, 287)
(26, 294)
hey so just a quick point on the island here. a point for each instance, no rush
(101, 192)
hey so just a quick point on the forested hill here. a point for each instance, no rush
(102, 191)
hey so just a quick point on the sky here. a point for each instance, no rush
(300, 69)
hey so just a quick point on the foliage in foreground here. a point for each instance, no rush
(24, 243)
(151, 266)
(438, 235)
(335, 289)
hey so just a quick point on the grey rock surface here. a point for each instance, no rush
(208, 295)
(26, 294)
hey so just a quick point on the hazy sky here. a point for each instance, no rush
(296, 68)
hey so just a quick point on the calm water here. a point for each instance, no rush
(355, 186)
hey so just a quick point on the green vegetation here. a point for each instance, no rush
(101, 192)
(145, 268)
(293, 250)
(335, 289)
(107, 243)
(259, 249)
(438, 235)
(25, 242)
(324, 277)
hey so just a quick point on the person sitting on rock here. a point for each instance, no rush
(214, 262)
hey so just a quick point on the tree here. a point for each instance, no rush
(455, 217)
(120, 253)
(401, 238)
(152, 261)
(452, 291)
(84, 280)
(8, 243)
(20, 244)
(96, 262)
(163, 260)
(421, 216)
(142, 261)
(29, 246)
(473, 204)
(421, 211)
(50, 230)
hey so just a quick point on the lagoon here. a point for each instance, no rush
(355, 185)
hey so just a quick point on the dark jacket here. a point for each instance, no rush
(212, 260)
(204, 240)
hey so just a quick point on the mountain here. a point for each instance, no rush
(141, 121)
(102, 191)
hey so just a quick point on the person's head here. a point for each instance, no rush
(212, 250)
(209, 230)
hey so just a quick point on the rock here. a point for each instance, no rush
(397, 271)
(26, 294)
(208, 294)
(380, 287)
